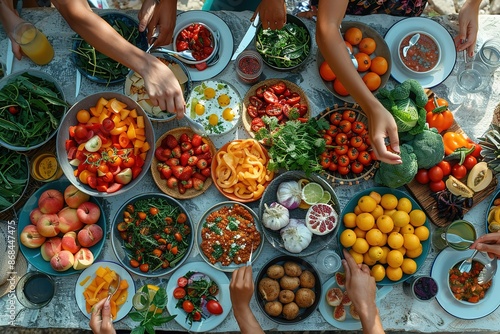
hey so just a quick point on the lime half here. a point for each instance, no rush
(326, 197)
(312, 193)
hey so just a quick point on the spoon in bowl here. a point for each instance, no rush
(454, 238)
(488, 271)
(413, 40)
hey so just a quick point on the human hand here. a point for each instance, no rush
(162, 16)
(100, 318)
(272, 14)
(489, 243)
(468, 26)
(381, 125)
(241, 288)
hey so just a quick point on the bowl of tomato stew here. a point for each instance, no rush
(197, 37)
(423, 57)
(465, 287)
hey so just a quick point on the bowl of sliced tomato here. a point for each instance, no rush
(197, 37)
(105, 144)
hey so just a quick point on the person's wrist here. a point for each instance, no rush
(367, 310)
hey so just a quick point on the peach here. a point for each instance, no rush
(62, 261)
(35, 214)
(31, 238)
(74, 196)
(51, 201)
(89, 235)
(70, 243)
(83, 259)
(68, 220)
(88, 213)
(50, 247)
(48, 225)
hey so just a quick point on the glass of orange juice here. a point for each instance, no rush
(33, 43)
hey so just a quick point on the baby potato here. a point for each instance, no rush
(286, 296)
(275, 271)
(289, 283)
(273, 308)
(292, 269)
(290, 311)
(304, 297)
(269, 289)
(307, 279)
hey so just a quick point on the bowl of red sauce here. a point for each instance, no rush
(249, 66)
(197, 37)
(423, 57)
(464, 286)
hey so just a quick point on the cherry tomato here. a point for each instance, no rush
(333, 130)
(446, 167)
(134, 263)
(341, 149)
(470, 161)
(14, 110)
(187, 306)
(341, 138)
(343, 161)
(182, 281)
(214, 307)
(437, 186)
(459, 171)
(365, 158)
(333, 166)
(324, 161)
(256, 102)
(477, 150)
(144, 267)
(196, 316)
(335, 118)
(279, 87)
(270, 97)
(81, 132)
(356, 167)
(342, 170)
(328, 139)
(422, 176)
(352, 153)
(358, 127)
(179, 293)
(274, 109)
(345, 126)
(260, 91)
(436, 174)
(349, 115)
(356, 141)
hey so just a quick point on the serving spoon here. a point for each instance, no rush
(186, 54)
(454, 238)
(488, 272)
(413, 40)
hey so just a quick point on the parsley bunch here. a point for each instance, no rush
(149, 319)
(294, 145)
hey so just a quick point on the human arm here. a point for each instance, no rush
(241, 289)
(161, 14)
(272, 14)
(161, 84)
(10, 19)
(362, 290)
(381, 124)
(468, 25)
(100, 318)
(489, 243)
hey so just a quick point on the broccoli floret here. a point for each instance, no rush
(428, 147)
(401, 91)
(383, 93)
(395, 176)
(418, 93)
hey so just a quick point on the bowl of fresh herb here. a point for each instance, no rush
(286, 48)
(32, 105)
(15, 173)
(98, 67)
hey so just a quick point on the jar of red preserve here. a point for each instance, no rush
(249, 66)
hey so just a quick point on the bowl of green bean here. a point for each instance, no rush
(32, 105)
(286, 48)
(14, 177)
(98, 67)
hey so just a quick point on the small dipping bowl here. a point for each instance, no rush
(178, 38)
(35, 289)
(423, 288)
(328, 261)
(45, 167)
(249, 66)
(422, 58)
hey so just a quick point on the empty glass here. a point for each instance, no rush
(489, 54)
(472, 78)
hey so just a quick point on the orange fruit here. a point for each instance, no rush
(411, 241)
(364, 61)
(385, 224)
(326, 72)
(379, 65)
(359, 232)
(365, 221)
(360, 246)
(422, 233)
(347, 238)
(350, 220)
(353, 35)
(409, 266)
(367, 45)
(372, 80)
(378, 272)
(395, 258)
(374, 237)
(367, 203)
(339, 88)
(348, 45)
(394, 274)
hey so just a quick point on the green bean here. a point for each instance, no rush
(13, 177)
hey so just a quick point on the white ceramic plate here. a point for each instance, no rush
(223, 297)
(327, 311)
(225, 40)
(402, 28)
(440, 268)
(90, 271)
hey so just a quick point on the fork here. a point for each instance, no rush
(466, 265)
(249, 262)
(114, 287)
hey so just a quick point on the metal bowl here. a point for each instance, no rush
(70, 120)
(214, 39)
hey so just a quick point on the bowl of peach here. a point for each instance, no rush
(61, 229)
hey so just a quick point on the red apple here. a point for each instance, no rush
(83, 259)
(62, 261)
(88, 213)
(50, 247)
(74, 196)
(48, 225)
(90, 235)
(31, 238)
(70, 243)
(51, 201)
(35, 214)
(68, 220)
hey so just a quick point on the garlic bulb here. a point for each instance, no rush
(296, 236)
(275, 216)
(289, 194)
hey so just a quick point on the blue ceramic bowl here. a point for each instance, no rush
(399, 194)
(33, 255)
(114, 19)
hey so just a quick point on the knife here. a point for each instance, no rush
(250, 34)
(78, 83)
(10, 57)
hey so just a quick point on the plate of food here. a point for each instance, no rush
(288, 289)
(239, 170)
(98, 67)
(227, 234)
(372, 54)
(273, 98)
(181, 166)
(402, 29)
(200, 313)
(216, 105)
(440, 271)
(94, 284)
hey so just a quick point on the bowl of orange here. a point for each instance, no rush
(372, 54)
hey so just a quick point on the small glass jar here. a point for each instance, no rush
(423, 288)
(249, 66)
(45, 167)
(35, 289)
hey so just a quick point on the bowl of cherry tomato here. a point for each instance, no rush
(197, 37)
(105, 144)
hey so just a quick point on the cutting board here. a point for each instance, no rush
(423, 195)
